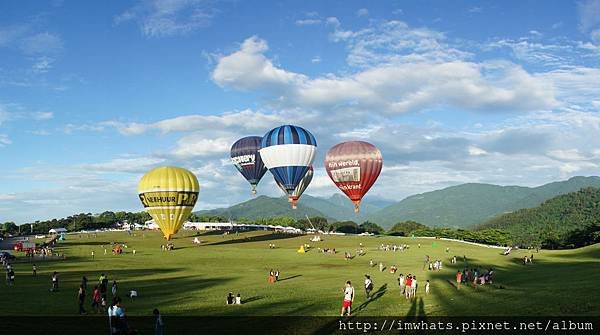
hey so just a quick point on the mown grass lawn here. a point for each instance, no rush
(194, 280)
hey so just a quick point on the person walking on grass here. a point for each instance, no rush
(54, 282)
(427, 287)
(368, 286)
(114, 288)
(458, 279)
(159, 325)
(81, 299)
(96, 299)
(34, 270)
(10, 277)
(348, 299)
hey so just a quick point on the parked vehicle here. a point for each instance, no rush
(7, 255)
(24, 246)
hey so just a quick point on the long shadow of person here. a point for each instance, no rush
(378, 294)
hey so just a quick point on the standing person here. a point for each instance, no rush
(10, 276)
(368, 286)
(402, 284)
(458, 279)
(54, 282)
(81, 299)
(408, 283)
(380, 266)
(348, 299)
(96, 299)
(159, 325)
(93, 255)
(34, 270)
(84, 282)
(114, 288)
(426, 263)
(413, 287)
(427, 287)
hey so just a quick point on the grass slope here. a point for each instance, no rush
(193, 280)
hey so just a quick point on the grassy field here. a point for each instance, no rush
(194, 280)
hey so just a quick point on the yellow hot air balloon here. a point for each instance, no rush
(169, 194)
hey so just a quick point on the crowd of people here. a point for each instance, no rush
(387, 247)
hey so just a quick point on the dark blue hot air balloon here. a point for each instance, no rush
(287, 152)
(246, 158)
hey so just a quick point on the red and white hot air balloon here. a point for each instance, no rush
(354, 167)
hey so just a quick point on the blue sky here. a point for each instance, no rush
(93, 94)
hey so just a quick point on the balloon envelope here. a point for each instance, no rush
(246, 158)
(287, 152)
(169, 194)
(354, 167)
(297, 193)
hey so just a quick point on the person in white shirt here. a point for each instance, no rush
(402, 284)
(368, 286)
(427, 287)
(238, 299)
(348, 299)
(413, 287)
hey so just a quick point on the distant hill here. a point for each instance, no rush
(339, 207)
(265, 207)
(571, 219)
(467, 205)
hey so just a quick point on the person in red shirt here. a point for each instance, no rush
(96, 299)
(458, 279)
(408, 283)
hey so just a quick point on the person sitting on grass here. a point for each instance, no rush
(230, 299)
(238, 299)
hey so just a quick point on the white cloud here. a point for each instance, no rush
(316, 60)
(197, 145)
(589, 14)
(42, 44)
(40, 116)
(4, 140)
(475, 151)
(42, 65)
(308, 22)
(246, 120)
(362, 12)
(388, 88)
(128, 164)
(158, 18)
(249, 69)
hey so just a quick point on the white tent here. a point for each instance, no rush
(57, 231)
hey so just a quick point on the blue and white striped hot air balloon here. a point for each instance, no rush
(287, 152)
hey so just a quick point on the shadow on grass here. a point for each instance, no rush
(288, 278)
(251, 299)
(525, 290)
(258, 238)
(378, 294)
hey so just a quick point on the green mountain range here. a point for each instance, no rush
(265, 207)
(465, 205)
(570, 220)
